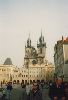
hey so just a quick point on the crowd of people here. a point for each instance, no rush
(58, 90)
(6, 93)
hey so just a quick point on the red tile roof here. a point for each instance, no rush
(66, 40)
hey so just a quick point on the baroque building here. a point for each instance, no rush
(61, 58)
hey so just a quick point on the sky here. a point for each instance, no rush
(19, 18)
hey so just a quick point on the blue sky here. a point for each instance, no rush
(18, 18)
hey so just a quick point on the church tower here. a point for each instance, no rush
(27, 52)
(30, 54)
(41, 50)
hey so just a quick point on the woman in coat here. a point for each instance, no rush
(35, 93)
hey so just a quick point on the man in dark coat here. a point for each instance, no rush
(9, 89)
(56, 91)
(9, 86)
(35, 93)
(66, 90)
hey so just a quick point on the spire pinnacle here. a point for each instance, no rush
(62, 38)
(29, 41)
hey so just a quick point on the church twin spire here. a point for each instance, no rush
(33, 55)
(29, 41)
(41, 40)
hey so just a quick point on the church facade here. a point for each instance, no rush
(35, 56)
(36, 66)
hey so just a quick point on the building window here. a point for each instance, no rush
(40, 50)
(16, 75)
(19, 75)
(34, 62)
(2, 69)
(15, 71)
(37, 75)
(22, 75)
(28, 51)
(26, 75)
(30, 75)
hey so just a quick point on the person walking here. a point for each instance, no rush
(23, 95)
(35, 93)
(9, 88)
(56, 91)
(28, 88)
